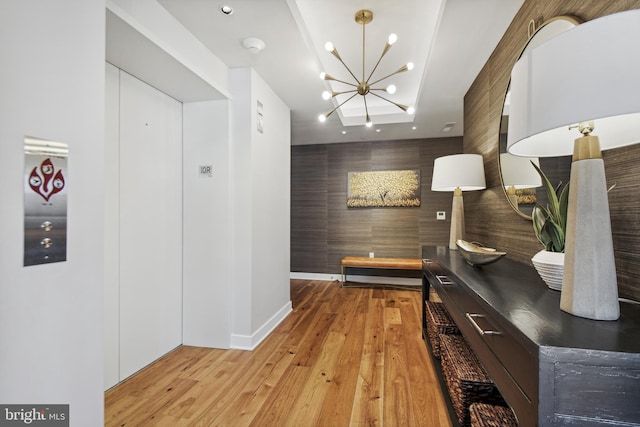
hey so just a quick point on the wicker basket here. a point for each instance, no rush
(465, 378)
(484, 415)
(438, 322)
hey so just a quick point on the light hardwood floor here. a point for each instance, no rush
(343, 357)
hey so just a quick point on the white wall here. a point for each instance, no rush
(112, 228)
(207, 216)
(52, 86)
(242, 207)
(271, 175)
(260, 217)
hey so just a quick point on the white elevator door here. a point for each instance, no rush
(150, 224)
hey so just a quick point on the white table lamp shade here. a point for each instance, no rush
(587, 73)
(458, 173)
(518, 172)
(464, 171)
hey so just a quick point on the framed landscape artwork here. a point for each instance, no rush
(374, 189)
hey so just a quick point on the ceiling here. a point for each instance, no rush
(449, 41)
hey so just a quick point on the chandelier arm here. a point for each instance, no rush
(400, 106)
(335, 53)
(399, 70)
(366, 110)
(340, 105)
(347, 83)
(334, 94)
(387, 46)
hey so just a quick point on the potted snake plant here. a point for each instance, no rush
(550, 228)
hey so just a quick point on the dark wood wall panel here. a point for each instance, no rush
(309, 194)
(621, 168)
(388, 232)
(489, 218)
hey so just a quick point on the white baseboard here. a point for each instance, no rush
(378, 280)
(314, 276)
(250, 342)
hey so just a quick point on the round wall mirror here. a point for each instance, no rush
(519, 178)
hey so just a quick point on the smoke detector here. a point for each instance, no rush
(253, 44)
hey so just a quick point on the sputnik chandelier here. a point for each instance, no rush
(364, 87)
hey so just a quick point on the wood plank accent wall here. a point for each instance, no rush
(492, 220)
(323, 229)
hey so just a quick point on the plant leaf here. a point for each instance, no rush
(564, 206)
(538, 218)
(550, 222)
(553, 205)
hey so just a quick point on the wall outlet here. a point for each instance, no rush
(441, 215)
(370, 254)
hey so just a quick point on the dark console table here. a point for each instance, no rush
(552, 368)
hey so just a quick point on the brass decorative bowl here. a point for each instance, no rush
(476, 255)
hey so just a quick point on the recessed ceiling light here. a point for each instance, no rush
(226, 9)
(377, 130)
(344, 132)
(414, 128)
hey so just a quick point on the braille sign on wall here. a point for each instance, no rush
(45, 201)
(206, 171)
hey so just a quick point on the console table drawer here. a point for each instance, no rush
(508, 362)
(521, 363)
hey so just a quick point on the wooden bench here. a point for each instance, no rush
(386, 263)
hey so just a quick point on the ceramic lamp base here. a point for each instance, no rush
(457, 221)
(589, 285)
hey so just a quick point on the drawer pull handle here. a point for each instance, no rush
(444, 280)
(472, 319)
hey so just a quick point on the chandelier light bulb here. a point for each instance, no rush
(409, 66)
(391, 89)
(392, 39)
(369, 123)
(328, 46)
(326, 95)
(411, 110)
(322, 118)
(323, 75)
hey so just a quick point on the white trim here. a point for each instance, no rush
(381, 280)
(250, 342)
(314, 276)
